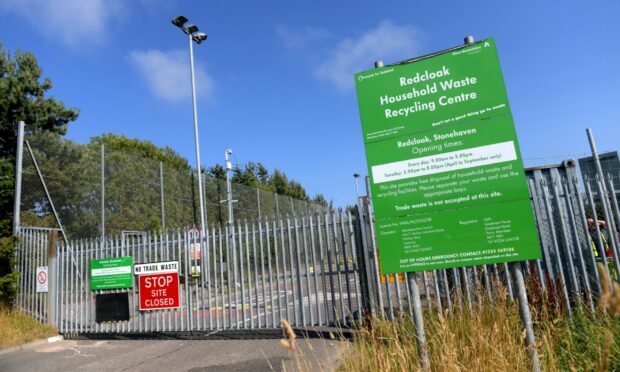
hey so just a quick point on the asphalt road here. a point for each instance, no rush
(177, 355)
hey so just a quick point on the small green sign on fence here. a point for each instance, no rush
(111, 273)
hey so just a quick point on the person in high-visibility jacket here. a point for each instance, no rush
(594, 241)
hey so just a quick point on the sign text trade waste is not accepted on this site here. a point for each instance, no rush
(446, 172)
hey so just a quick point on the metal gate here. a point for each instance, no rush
(249, 275)
(32, 252)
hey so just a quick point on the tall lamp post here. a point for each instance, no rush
(194, 36)
(229, 196)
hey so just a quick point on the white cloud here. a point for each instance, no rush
(74, 22)
(386, 42)
(167, 73)
(299, 38)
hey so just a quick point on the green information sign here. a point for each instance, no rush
(111, 273)
(446, 172)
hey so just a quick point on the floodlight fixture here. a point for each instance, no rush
(179, 21)
(199, 37)
(190, 29)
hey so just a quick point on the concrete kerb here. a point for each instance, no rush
(32, 344)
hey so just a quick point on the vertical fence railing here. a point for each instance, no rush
(301, 268)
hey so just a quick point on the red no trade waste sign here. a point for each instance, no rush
(159, 291)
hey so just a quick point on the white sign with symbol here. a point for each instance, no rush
(41, 279)
(194, 250)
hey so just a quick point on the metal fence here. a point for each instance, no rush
(251, 275)
(96, 191)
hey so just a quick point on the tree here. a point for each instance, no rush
(141, 148)
(22, 97)
(7, 189)
(8, 278)
(217, 171)
(296, 191)
(279, 182)
(320, 200)
(263, 174)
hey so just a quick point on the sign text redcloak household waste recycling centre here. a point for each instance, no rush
(446, 173)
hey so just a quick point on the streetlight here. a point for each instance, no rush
(193, 35)
(357, 189)
(229, 198)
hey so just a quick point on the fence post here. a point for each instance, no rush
(373, 247)
(524, 312)
(258, 203)
(161, 193)
(102, 192)
(610, 221)
(18, 177)
(597, 162)
(364, 247)
(204, 193)
(51, 274)
(418, 320)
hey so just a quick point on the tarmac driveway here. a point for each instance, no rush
(173, 355)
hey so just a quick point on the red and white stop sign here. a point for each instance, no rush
(159, 291)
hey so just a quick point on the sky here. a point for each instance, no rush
(275, 80)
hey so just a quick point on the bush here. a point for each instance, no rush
(8, 278)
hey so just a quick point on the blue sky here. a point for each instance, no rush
(275, 78)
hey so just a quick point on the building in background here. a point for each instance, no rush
(610, 165)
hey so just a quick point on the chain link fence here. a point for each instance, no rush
(90, 190)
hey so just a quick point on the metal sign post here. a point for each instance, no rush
(18, 176)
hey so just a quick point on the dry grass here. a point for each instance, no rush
(16, 328)
(484, 339)
(289, 342)
(490, 337)
(305, 354)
